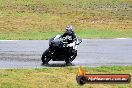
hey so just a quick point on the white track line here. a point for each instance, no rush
(121, 38)
(8, 40)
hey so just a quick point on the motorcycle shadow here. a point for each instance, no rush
(57, 65)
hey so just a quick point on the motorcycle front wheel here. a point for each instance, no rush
(46, 57)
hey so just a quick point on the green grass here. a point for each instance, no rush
(104, 33)
(57, 77)
(41, 19)
(83, 33)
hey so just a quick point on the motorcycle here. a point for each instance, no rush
(60, 50)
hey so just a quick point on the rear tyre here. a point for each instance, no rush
(68, 64)
(73, 55)
(46, 57)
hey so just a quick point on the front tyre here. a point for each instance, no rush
(46, 57)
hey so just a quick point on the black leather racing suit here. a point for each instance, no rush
(70, 36)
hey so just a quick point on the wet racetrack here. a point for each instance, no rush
(92, 52)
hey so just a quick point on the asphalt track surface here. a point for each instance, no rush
(92, 52)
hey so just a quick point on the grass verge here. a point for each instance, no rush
(41, 19)
(57, 77)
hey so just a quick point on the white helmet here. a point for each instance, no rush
(69, 28)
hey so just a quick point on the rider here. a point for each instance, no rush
(71, 37)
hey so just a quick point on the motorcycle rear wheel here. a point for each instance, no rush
(73, 56)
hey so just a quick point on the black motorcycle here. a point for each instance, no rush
(60, 50)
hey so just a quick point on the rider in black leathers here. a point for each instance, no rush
(71, 37)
